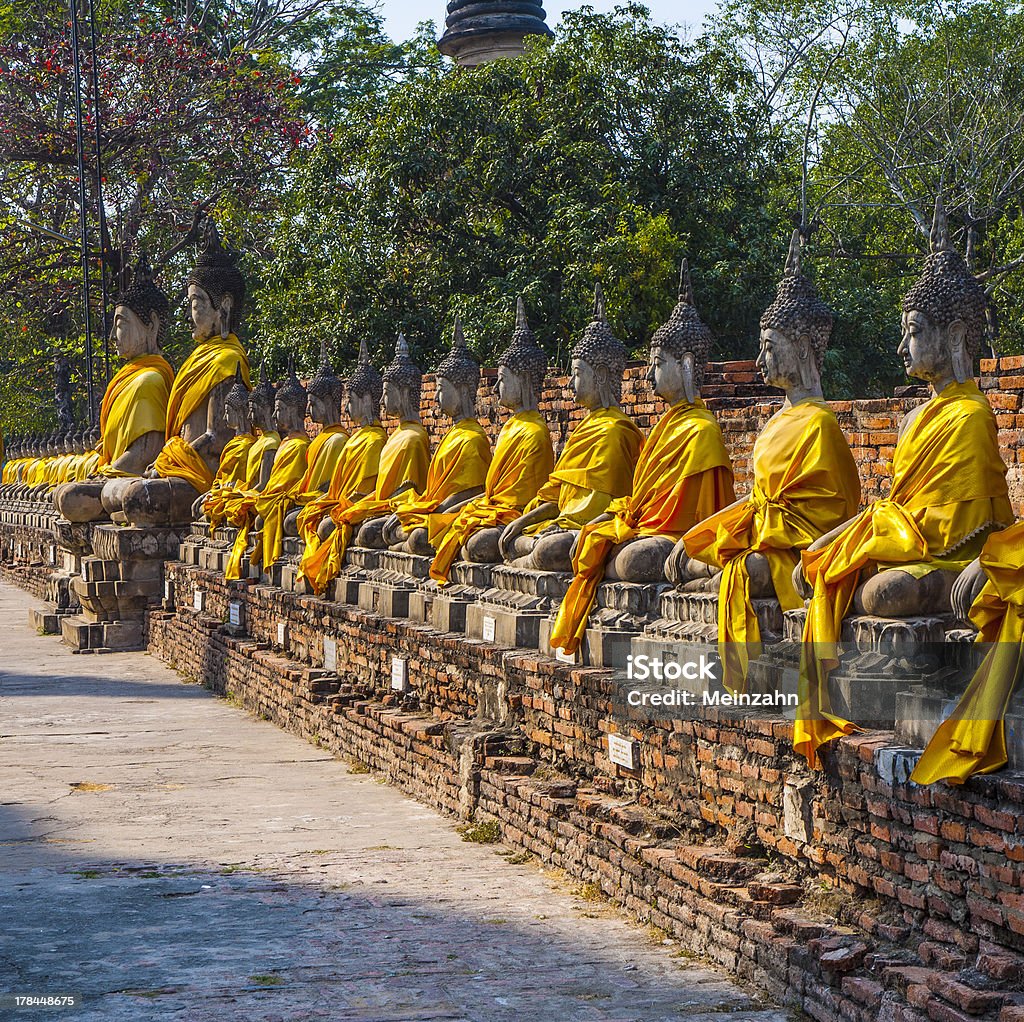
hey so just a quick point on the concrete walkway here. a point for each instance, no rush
(166, 856)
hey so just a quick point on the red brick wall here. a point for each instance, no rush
(924, 882)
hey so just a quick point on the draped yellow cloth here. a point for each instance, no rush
(322, 457)
(460, 463)
(355, 473)
(90, 464)
(231, 474)
(595, 466)
(973, 739)
(523, 460)
(134, 403)
(683, 476)
(403, 459)
(805, 485)
(211, 363)
(948, 489)
(271, 504)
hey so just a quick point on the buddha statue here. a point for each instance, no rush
(595, 466)
(683, 475)
(232, 472)
(901, 555)
(523, 460)
(196, 429)
(401, 467)
(325, 391)
(354, 476)
(133, 414)
(805, 479)
(459, 465)
(263, 416)
(263, 508)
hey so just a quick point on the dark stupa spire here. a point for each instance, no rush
(477, 32)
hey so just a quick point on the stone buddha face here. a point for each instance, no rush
(236, 415)
(261, 410)
(449, 397)
(932, 354)
(511, 388)
(671, 378)
(360, 408)
(783, 361)
(132, 336)
(289, 415)
(322, 408)
(588, 384)
(208, 320)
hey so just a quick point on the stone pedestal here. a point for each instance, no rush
(118, 582)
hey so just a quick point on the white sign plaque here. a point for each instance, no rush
(622, 751)
(488, 628)
(399, 674)
(168, 589)
(234, 613)
(330, 654)
(199, 599)
(282, 633)
(69, 562)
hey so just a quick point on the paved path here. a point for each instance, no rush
(167, 856)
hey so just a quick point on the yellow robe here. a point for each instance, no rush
(211, 363)
(805, 485)
(355, 473)
(322, 457)
(523, 460)
(403, 459)
(973, 739)
(231, 474)
(270, 504)
(683, 476)
(948, 490)
(460, 463)
(595, 467)
(135, 403)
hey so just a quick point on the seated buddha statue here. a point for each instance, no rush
(324, 392)
(402, 466)
(262, 508)
(805, 479)
(683, 475)
(595, 466)
(901, 555)
(133, 413)
(232, 472)
(521, 464)
(459, 464)
(196, 429)
(355, 474)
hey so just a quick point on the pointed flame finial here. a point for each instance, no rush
(521, 323)
(793, 256)
(364, 353)
(939, 237)
(599, 309)
(458, 337)
(685, 284)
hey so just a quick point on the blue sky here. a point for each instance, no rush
(401, 16)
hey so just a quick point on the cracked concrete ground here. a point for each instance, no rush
(167, 856)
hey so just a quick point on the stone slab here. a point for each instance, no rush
(504, 626)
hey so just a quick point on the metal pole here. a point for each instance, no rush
(82, 221)
(102, 223)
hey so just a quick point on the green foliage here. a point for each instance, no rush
(606, 155)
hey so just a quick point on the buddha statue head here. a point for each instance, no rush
(458, 379)
(216, 289)
(324, 391)
(945, 314)
(140, 314)
(261, 401)
(365, 390)
(795, 331)
(94, 436)
(236, 404)
(403, 380)
(679, 349)
(598, 361)
(290, 403)
(521, 368)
